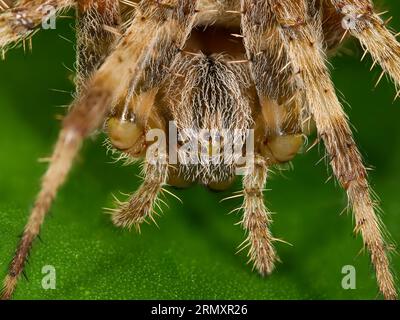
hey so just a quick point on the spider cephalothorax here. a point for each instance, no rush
(224, 67)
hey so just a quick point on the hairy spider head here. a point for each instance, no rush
(211, 99)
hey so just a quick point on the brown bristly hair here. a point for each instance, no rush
(302, 37)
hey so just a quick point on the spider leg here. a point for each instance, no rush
(268, 62)
(20, 21)
(66, 148)
(98, 23)
(331, 23)
(364, 24)
(257, 219)
(279, 124)
(6, 4)
(140, 205)
(302, 37)
(88, 111)
(135, 116)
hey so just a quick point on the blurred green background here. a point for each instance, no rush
(192, 255)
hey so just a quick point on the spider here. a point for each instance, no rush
(241, 65)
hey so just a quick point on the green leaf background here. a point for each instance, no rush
(192, 255)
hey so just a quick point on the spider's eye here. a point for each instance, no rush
(123, 134)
